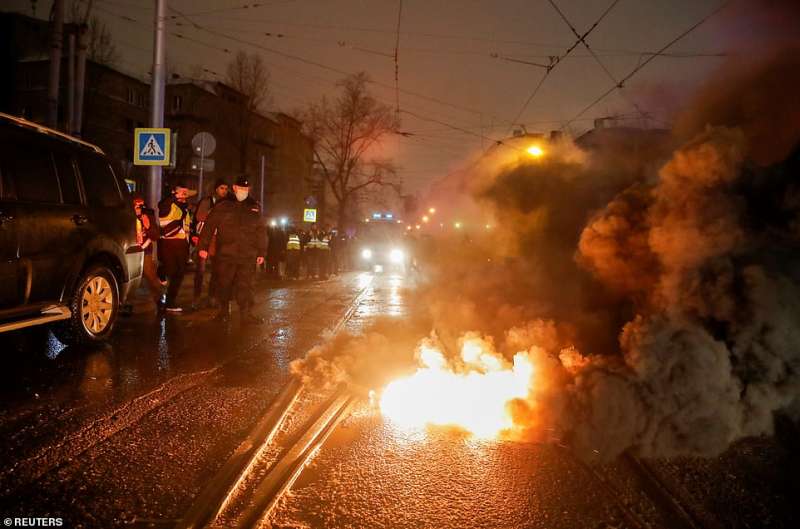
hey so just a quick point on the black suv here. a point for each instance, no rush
(68, 249)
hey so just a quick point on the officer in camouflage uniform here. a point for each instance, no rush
(241, 246)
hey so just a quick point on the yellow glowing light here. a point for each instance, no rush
(431, 210)
(457, 225)
(473, 397)
(418, 226)
(535, 151)
(425, 218)
(488, 226)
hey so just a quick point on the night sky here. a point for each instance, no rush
(445, 55)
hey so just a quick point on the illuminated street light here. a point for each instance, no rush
(273, 223)
(457, 225)
(284, 221)
(431, 210)
(488, 227)
(418, 226)
(535, 151)
(425, 218)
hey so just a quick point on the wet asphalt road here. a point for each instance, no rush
(129, 434)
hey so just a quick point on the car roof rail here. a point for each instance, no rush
(50, 132)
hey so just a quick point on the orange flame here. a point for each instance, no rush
(473, 398)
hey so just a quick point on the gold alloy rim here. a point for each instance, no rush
(97, 304)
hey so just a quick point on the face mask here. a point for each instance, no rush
(241, 194)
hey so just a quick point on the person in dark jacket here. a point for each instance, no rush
(174, 220)
(241, 246)
(201, 212)
(146, 237)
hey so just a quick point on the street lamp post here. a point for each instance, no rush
(157, 88)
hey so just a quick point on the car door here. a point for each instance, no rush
(44, 225)
(10, 291)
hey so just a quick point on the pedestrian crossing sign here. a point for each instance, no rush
(151, 147)
(309, 215)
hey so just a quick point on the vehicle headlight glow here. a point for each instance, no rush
(366, 254)
(396, 255)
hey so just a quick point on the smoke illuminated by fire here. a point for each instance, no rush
(473, 396)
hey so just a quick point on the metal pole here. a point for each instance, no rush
(157, 87)
(80, 78)
(54, 80)
(71, 84)
(202, 163)
(263, 207)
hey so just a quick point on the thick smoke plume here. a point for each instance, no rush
(657, 289)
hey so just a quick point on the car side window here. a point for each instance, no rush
(67, 178)
(99, 181)
(28, 168)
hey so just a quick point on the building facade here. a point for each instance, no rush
(269, 147)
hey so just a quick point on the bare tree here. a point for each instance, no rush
(346, 133)
(249, 76)
(100, 44)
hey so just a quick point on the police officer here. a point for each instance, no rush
(201, 212)
(324, 253)
(174, 220)
(293, 249)
(312, 252)
(241, 246)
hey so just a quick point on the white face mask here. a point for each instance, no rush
(241, 193)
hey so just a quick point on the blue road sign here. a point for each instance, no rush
(151, 147)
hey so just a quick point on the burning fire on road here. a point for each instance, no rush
(472, 393)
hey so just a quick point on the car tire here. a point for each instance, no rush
(94, 306)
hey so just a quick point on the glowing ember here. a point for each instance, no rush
(472, 396)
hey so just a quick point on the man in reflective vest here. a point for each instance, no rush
(174, 220)
(293, 255)
(241, 246)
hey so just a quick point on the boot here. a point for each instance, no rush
(224, 314)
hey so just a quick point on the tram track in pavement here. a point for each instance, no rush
(230, 487)
(665, 505)
(52, 456)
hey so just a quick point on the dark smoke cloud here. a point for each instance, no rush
(656, 286)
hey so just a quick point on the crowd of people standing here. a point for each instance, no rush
(225, 234)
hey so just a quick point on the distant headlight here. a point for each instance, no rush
(366, 254)
(396, 256)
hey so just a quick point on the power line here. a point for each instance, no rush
(554, 61)
(594, 55)
(317, 64)
(396, 61)
(633, 72)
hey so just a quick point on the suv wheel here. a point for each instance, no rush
(94, 306)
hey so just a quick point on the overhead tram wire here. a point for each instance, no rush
(633, 72)
(595, 57)
(317, 64)
(396, 60)
(183, 36)
(555, 62)
(228, 51)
